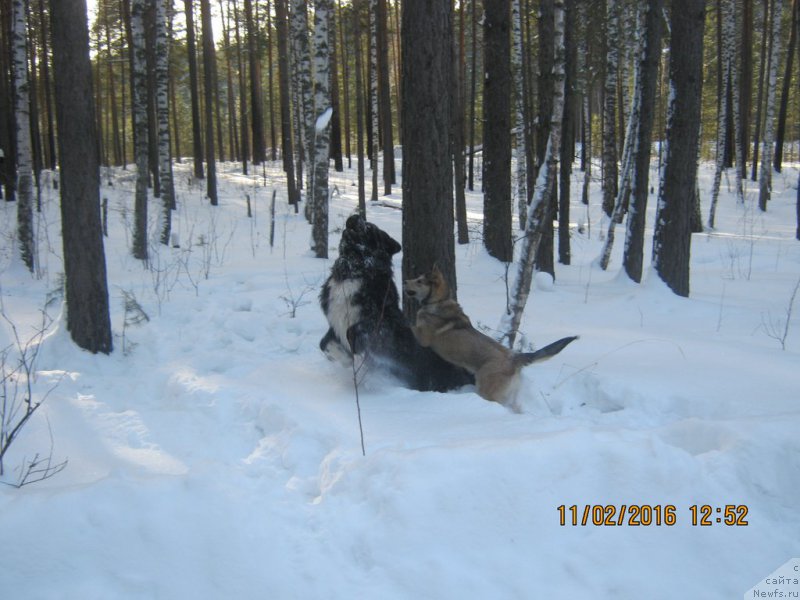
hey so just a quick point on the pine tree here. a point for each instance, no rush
(610, 110)
(209, 97)
(194, 86)
(88, 318)
(672, 238)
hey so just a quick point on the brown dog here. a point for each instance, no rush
(443, 326)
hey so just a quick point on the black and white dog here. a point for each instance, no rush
(361, 303)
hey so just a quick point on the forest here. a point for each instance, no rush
(325, 84)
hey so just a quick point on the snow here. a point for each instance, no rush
(216, 452)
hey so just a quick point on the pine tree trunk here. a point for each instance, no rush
(427, 74)
(765, 175)
(282, 30)
(84, 260)
(322, 104)
(336, 125)
(384, 99)
(540, 209)
(50, 146)
(459, 162)
(472, 96)
(745, 90)
(672, 238)
(650, 56)
(373, 95)
(24, 186)
(726, 52)
(761, 77)
(610, 110)
(209, 94)
(362, 204)
(497, 131)
(244, 135)
(256, 112)
(568, 130)
(197, 136)
(140, 118)
(787, 80)
(271, 88)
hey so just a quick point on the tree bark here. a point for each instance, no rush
(787, 80)
(140, 118)
(209, 93)
(610, 110)
(282, 29)
(767, 149)
(497, 130)
(427, 38)
(651, 53)
(322, 106)
(191, 49)
(672, 238)
(88, 318)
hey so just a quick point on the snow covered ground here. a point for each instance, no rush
(216, 453)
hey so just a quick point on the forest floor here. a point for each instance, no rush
(216, 453)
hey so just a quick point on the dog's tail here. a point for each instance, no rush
(525, 358)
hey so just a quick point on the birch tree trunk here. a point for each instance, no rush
(23, 123)
(323, 110)
(767, 147)
(787, 81)
(540, 208)
(140, 139)
(162, 111)
(672, 238)
(304, 90)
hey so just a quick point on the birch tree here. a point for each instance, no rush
(304, 94)
(322, 105)
(672, 238)
(767, 146)
(23, 124)
(140, 120)
(520, 147)
(540, 208)
(162, 112)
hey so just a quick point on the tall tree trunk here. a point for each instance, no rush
(244, 136)
(745, 90)
(765, 175)
(256, 112)
(520, 149)
(384, 99)
(672, 238)
(50, 146)
(544, 252)
(343, 53)
(727, 35)
(305, 97)
(162, 112)
(472, 96)
(323, 112)
(282, 30)
(427, 74)
(24, 147)
(568, 130)
(152, 125)
(271, 87)
(336, 125)
(373, 96)
(787, 80)
(497, 130)
(140, 118)
(88, 318)
(541, 205)
(761, 77)
(651, 53)
(362, 204)
(209, 93)
(459, 163)
(197, 136)
(233, 130)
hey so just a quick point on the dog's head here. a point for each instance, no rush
(361, 238)
(427, 288)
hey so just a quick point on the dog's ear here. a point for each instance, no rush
(391, 245)
(435, 270)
